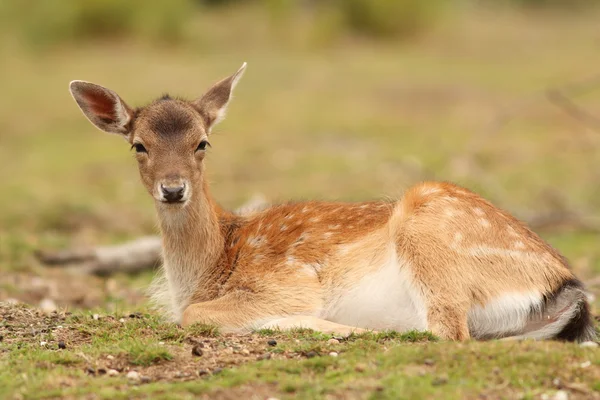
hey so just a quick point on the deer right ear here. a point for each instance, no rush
(103, 107)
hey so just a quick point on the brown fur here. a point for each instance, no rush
(291, 261)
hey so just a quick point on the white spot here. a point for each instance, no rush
(289, 216)
(314, 219)
(290, 260)
(351, 226)
(519, 245)
(511, 231)
(327, 234)
(485, 251)
(457, 239)
(449, 212)
(484, 222)
(308, 269)
(304, 209)
(478, 211)
(337, 226)
(452, 199)
(256, 241)
(343, 250)
(364, 206)
(283, 227)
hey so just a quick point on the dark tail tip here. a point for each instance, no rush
(581, 326)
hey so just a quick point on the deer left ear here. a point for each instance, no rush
(213, 104)
(103, 107)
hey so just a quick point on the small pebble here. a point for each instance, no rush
(48, 305)
(440, 380)
(561, 395)
(59, 327)
(266, 356)
(556, 382)
(133, 376)
(203, 372)
(589, 344)
(146, 379)
(333, 354)
(360, 367)
(43, 343)
(62, 345)
(161, 343)
(112, 372)
(272, 342)
(110, 357)
(428, 361)
(585, 364)
(245, 352)
(122, 320)
(90, 371)
(333, 341)
(197, 351)
(311, 354)
(96, 317)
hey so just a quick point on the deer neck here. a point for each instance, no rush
(192, 246)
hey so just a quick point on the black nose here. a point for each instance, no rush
(173, 194)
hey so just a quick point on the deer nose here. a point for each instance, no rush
(172, 194)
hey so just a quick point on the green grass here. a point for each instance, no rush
(385, 365)
(354, 121)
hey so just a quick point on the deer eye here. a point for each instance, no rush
(202, 145)
(139, 148)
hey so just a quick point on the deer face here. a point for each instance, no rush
(169, 136)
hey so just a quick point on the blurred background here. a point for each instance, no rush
(342, 99)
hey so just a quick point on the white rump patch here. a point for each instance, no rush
(505, 315)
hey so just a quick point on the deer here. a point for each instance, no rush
(440, 258)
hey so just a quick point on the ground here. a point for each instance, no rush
(85, 355)
(358, 120)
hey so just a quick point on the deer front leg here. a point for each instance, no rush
(228, 313)
(232, 313)
(314, 323)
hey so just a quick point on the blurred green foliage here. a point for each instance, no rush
(46, 23)
(562, 4)
(388, 18)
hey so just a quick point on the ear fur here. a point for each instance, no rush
(213, 104)
(103, 107)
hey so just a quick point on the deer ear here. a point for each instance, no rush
(213, 104)
(103, 107)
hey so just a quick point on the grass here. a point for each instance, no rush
(384, 365)
(355, 121)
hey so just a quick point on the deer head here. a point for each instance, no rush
(169, 136)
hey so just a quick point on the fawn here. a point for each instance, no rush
(441, 258)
